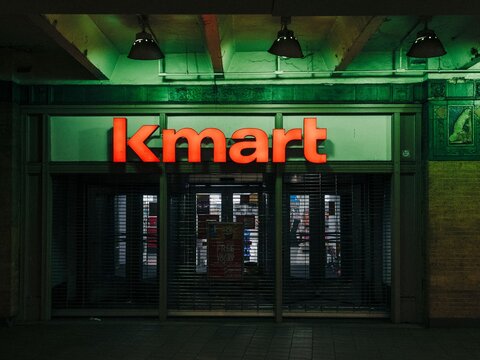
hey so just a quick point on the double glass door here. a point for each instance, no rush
(228, 206)
(221, 247)
(336, 243)
(104, 243)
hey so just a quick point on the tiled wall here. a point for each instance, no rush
(453, 202)
(453, 248)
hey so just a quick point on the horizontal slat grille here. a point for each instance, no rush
(246, 283)
(336, 243)
(220, 243)
(104, 245)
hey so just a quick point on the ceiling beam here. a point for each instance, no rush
(227, 39)
(80, 37)
(348, 36)
(213, 41)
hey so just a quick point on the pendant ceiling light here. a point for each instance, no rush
(286, 44)
(426, 45)
(145, 46)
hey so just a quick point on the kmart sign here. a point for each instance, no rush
(250, 144)
(239, 137)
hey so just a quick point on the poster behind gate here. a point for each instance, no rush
(225, 250)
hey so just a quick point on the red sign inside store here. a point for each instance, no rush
(251, 140)
(225, 250)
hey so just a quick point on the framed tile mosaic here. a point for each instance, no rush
(455, 130)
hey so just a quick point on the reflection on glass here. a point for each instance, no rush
(209, 208)
(332, 237)
(299, 235)
(149, 235)
(245, 210)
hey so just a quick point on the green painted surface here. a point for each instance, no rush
(222, 94)
(408, 137)
(437, 94)
(381, 93)
(89, 138)
(402, 92)
(353, 137)
(179, 67)
(82, 32)
(460, 89)
(228, 124)
(350, 138)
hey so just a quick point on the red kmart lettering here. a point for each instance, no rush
(252, 139)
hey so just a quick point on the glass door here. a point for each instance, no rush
(224, 228)
(104, 245)
(336, 243)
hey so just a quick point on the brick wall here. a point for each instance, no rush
(453, 248)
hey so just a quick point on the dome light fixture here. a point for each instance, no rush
(286, 44)
(145, 46)
(426, 45)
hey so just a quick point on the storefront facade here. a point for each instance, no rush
(222, 178)
(261, 239)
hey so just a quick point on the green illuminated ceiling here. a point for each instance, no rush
(93, 48)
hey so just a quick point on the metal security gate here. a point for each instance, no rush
(220, 247)
(220, 244)
(104, 244)
(336, 244)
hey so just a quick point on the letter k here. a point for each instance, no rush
(136, 142)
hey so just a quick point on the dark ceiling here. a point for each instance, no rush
(273, 7)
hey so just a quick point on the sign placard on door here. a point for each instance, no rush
(225, 250)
